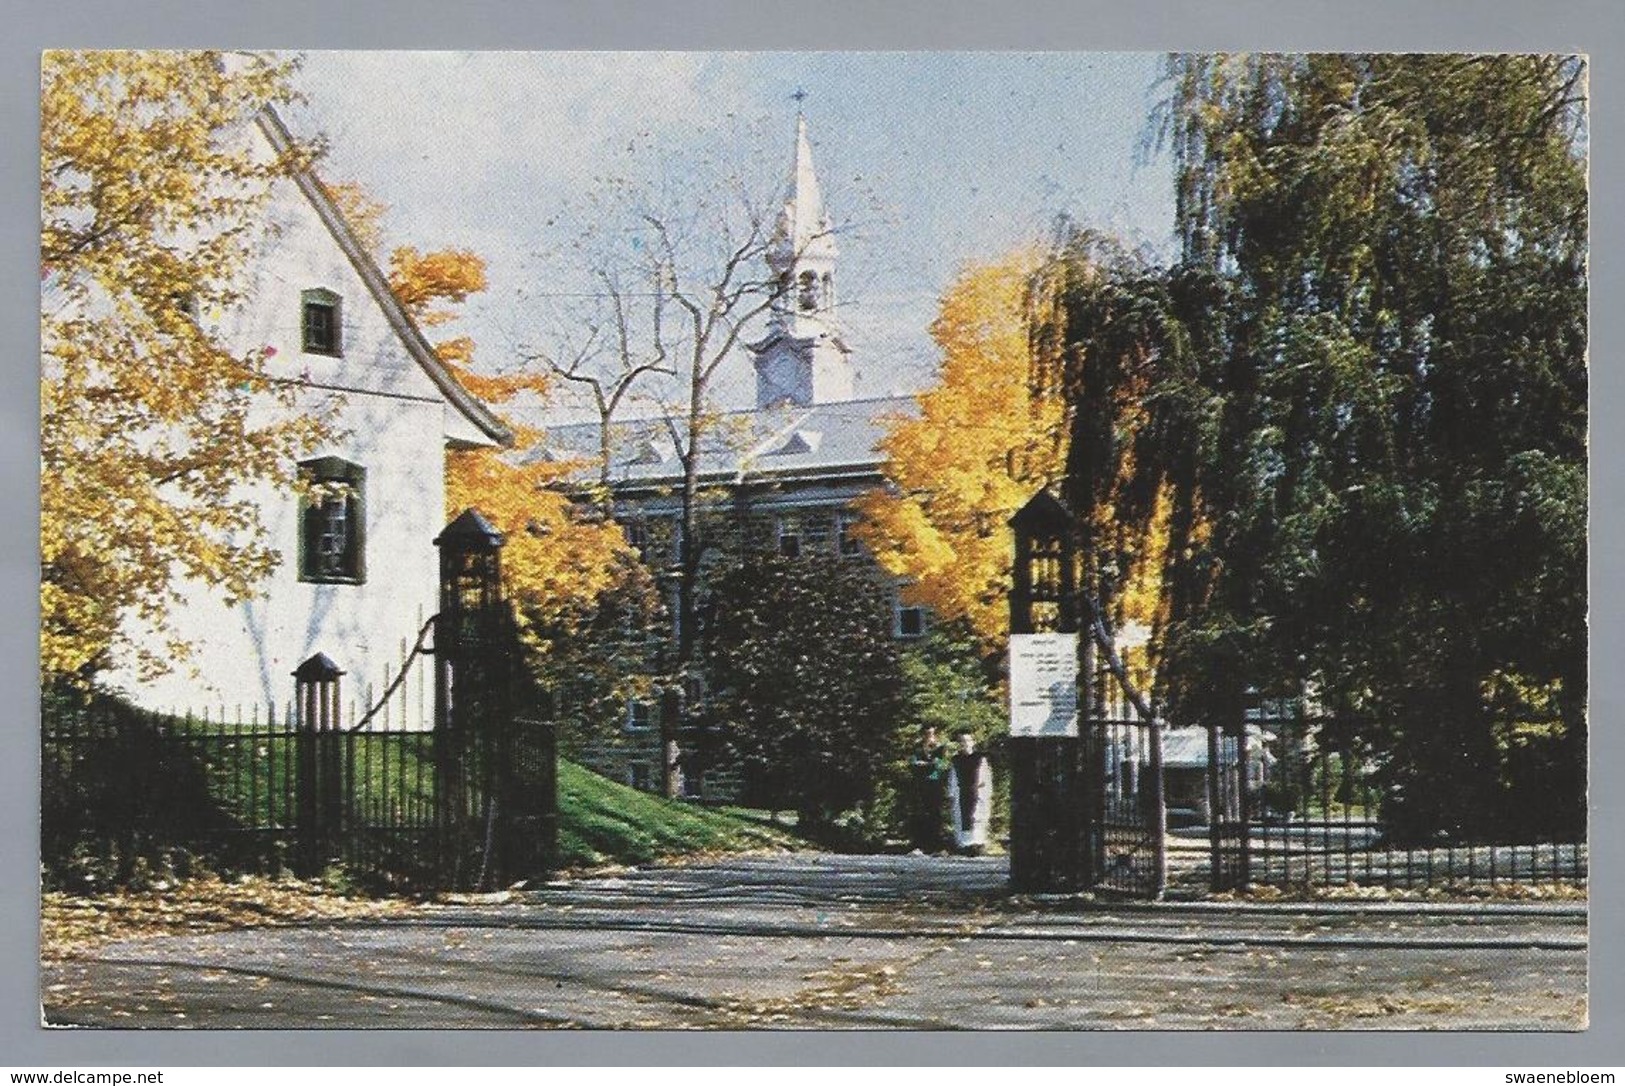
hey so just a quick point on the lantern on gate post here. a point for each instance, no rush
(470, 601)
(1044, 595)
(1051, 816)
(470, 567)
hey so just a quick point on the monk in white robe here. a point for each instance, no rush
(970, 797)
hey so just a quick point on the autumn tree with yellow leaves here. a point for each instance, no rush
(982, 443)
(557, 563)
(151, 196)
(579, 589)
(994, 430)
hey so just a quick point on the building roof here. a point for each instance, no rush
(839, 438)
(1186, 748)
(405, 328)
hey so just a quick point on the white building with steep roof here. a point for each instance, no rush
(359, 572)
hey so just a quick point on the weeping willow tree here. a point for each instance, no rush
(1349, 425)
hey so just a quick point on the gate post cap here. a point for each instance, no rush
(470, 531)
(317, 669)
(1043, 510)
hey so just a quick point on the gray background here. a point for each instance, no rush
(1410, 25)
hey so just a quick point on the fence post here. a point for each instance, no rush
(1218, 877)
(317, 784)
(1159, 813)
(1244, 811)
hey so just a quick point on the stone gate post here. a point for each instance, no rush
(318, 766)
(1051, 798)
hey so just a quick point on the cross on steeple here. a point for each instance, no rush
(800, 96)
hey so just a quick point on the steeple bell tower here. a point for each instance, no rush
(803, 360)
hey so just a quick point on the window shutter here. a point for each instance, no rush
(310, 538)
(355, 551)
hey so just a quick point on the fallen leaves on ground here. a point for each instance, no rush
(846, 988)
(72, 924)
(1385, 1005)
(1501, 891)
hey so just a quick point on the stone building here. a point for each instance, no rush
(784, 472)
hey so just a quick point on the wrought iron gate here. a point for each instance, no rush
(1229, 808)
(1127, 839)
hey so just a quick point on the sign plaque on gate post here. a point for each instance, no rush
(1043, 685)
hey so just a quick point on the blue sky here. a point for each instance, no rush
(935, 159)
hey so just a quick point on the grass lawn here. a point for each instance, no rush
(603, 822)
(600, 822)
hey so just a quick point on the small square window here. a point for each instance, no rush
(789, 538)
(910, 621)
(657, 539)
(332, 522)
(637, 537)
(846, 541)
(321, 322)
(815, 533)
(674, 534)
(639, 716)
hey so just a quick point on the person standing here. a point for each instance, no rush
(930, 767)
(970, 796)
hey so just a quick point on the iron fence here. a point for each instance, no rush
(124, 788)
(1294, 803)
(1297, 803)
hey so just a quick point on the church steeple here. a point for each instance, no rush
(803, 240)
(803, 360)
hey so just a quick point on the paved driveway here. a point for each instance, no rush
(820, 941)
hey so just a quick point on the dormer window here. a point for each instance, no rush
(332, 522)
(321, 322)
(653, 450)
(799, 443)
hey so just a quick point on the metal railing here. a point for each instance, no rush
(125, 789)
